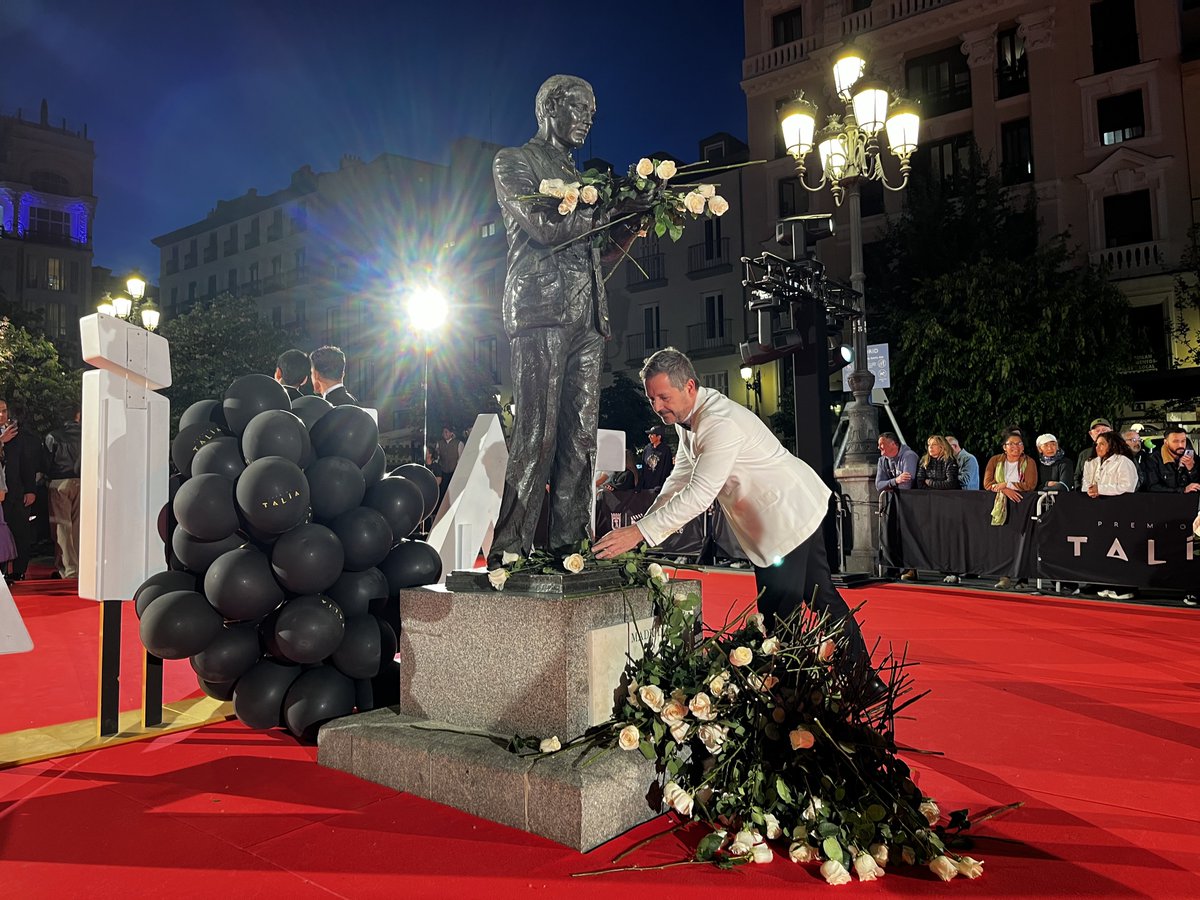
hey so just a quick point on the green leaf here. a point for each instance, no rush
(660, 228)
(647, 750)
(708, 847)
(876, 813)
(676, 232)
(781, 789)
(833, 850)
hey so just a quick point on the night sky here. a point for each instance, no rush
(191, 102)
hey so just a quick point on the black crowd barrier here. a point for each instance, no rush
(1140, 540)
(617, 509)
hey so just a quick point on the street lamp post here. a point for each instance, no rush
(124, 307)
(850, 148)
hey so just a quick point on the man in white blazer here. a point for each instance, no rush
(774, 502)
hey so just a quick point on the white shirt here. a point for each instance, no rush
(1111, 475)
(329, 391)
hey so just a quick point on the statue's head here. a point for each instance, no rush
(565, 105)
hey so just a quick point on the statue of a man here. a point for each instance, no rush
(556, 316)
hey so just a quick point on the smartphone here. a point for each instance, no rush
(1189, 452)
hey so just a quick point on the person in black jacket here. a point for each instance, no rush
(1172, 470)
(1056, 471)
(328, 370)
(63, 449)
(22, 463)
(292, 370)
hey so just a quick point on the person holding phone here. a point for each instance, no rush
(22, 463)
(1172, 470)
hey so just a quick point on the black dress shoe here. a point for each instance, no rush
(874, 691)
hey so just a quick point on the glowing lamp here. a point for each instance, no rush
(150, 316)
(798, 120)
(122, 306)
(834, 154)
(427, 308)
(136, 286)
(847, 69)
(870, 105)
(902, 127)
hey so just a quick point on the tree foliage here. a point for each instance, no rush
(214, 343)
(31, 373)
(623, 407)
(1187, 311)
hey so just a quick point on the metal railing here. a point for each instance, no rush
(642, 345)
(708, 256)
(645, 270)
(710, 336)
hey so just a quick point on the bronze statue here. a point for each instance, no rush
(556, 316)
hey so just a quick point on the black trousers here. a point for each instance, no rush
(803, 577)
(16, 513)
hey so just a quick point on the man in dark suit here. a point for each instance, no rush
(328, 365)
(292, 371)
(555, 314)
(22, 462)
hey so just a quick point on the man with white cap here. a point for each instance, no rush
(1055, 468)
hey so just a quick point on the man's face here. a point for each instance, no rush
(888, 448)
(1134, 441)
(570, 118)
(3, 413)
(655, 440)
(953, 442)
(671, 404)
(1096, 431)
(1176, 443)
(1049, 448)
(447, 434)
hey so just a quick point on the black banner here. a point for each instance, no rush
(1141, 540)
(618, 509)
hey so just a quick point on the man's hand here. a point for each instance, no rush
(9, 433)
(904, 478)
(617, 541)
(1192, 488)
(1187, 461)
(29, 498)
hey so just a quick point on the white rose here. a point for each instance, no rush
(679, 731)
(673, 712)
(656, 573)
(652, 696)
(694, 203)
(879, 852)
(866, 868)
(943, 867)
(713, 737)
(701, 707)
(573, 563)
(757, 622)
(666, 170)
(801, 738)
(771, 827)
(1196, 527)
(815, 805)
(680, 598)
(553, 187)
(629, 738)
(802, 852)
(644, 167)
(706, 190)
(771, 646)
(718, 205)
(550, 745)
(929, 809)
(835, 872)
(497, 577)
(588, 194)
(971, 868)
(678, 799)
(908, 856)
(743, 843)
(741, 656)
(716, 684)
(507, 558)
(731, 692)
(761, 853)
(567, 205)
(632, 693)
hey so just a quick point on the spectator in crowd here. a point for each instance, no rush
(898, 463)
(1055, 468)
(22, 468)
(328, 372)
(938, 469)
(1137, 450)
(1110, 472)
(1011, 474)
(449, 449)
(1172, 470)
(656, 460)
(968, 465)
(1097, 428)
(292, 370)
(63, 448)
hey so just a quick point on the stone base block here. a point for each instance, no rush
(555, 797)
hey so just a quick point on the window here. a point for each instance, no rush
(941, 81)
(231, 242)
(334, 321)
(1016, 152)
(231, 281)
(54, 274)
(74, 278)
(50, 183)
(276, 265)
(787, 27)
(1012, 68)
(191, 290)
(712, 239)
(1127, 219)
(1120, 118)
(174, 297)
(31, 272)
(1148, 332)
(189, 258)
(275, 229)
(300, 218)
(212, 285)
(49, 222)
(1114, 35)
(300, 259)
(486, 358)
(718, 381)
(55, 319)
(944, 161)
(650, 326)
(251, 235)
(488, 229)
(714, 316)
(252, 273)
(793, 198)
(714, 152)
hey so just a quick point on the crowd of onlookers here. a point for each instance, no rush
(1113, 464)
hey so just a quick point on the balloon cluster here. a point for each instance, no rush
(287, 547)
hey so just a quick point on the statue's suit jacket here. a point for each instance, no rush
(535, 290)
(773, 500)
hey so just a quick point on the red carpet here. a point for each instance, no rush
(1087, 712)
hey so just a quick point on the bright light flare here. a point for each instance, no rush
(428, 308)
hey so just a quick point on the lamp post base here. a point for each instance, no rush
(858, 483)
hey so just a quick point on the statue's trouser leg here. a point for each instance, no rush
(573, 475)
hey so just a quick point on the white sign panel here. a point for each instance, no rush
(878, 364)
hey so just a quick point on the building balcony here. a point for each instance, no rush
(279, 281)
(172, 267)
(229, 247)
(642, 345)
(251, 241)
(251, 289)
(709, 258)
(1131, 260)
(711, 338)
(189, 260)
(210, 253)
(644, 272)
(274, 232)
(778, 57)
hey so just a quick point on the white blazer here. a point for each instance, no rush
(1111, 475)
(773, 500)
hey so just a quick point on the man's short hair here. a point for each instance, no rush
(1174, 429)
(890, 436)
(554, 89)
(950, 437)
(674, 364)
(294, 366)
(329, 362)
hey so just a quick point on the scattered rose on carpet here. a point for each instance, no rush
(771, 646)
(771, 827)
(666, 170)
(743, 842)
(507, 558)
(573, 563)
(802, 852)
(712, 737)
(908, 856)
(497, 577)
(835, 872)
(673, 712)
(879, 853)
(678, 799)
(653, 697)
(694, 203)
(866, 868)
(1196, 527)
(645, 168)
(550, 744)
(741, 656)
(718, 205)
(801, 738)
(971, 868)
(701, 707)
(929, 809)
(707, 190)
(588, 194)
(761, 853)
(943, 867)
(629, 738)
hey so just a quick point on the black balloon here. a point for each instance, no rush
(399, 501)
(273, 494)
(197, 555)
(179, 624)
(308, 559)
(250, 395)
(346, 431)
(161, 583)
(207, 411)
(258, 697)
(310, 408)
(188, 443)
(222, 691)
(220, 456)
(358, 655)
(411, 564)
(354, 591)
(375, 466)
(241, 586)
(277, 432)
(307, 629)
(204, 507)
(336, 485)
(426, 481)
(318, 695)
(230, 655)
(365, 535)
